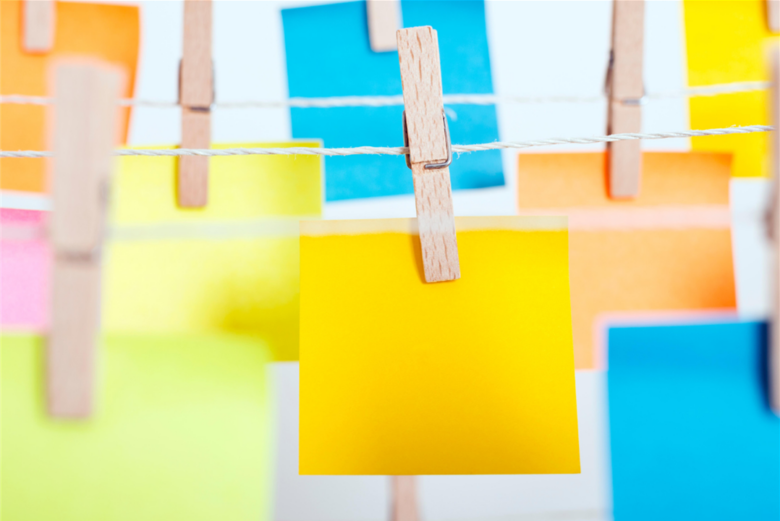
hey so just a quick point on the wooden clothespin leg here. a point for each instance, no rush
(383, 22)
(84, 140)
(626, 93)
(774, 235)
(404, 490)
(196, 94)
(38, 25)
(773, 15)
(427, 136)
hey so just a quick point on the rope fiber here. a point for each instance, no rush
(449, 99)
(398, 151)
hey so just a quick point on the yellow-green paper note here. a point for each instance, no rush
(229, 267)
(180, 432)
(400, 377)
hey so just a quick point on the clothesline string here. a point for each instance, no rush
(397, 151)
(449, 99)
(661, 217)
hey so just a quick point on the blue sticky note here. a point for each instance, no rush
(691, 430)
(328, 55)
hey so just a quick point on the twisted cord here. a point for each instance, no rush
(398, 151)
(449, 99)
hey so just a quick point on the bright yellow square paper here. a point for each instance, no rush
(727, 42)
(474, 376)
(180, 433)
(229, 267)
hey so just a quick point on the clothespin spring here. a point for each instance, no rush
(213, 91)
(631, 102)
(444, 164)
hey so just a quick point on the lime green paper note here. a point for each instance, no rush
(180, 433)
(230, 267)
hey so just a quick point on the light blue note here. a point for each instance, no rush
(691, 431)
(328, 54)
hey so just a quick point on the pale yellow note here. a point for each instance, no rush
(474, 376)
(230, 267)
(180, 433)
(240, 187)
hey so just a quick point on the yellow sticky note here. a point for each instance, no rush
(230, 267)
(240, 187)
(180, 433)
(727, 42)
(474, 376)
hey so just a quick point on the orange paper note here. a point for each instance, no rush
(109, 33)
(670, 249)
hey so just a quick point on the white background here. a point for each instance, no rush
(537, 49)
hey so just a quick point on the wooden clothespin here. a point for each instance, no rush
(196, 94)
(85, 134)
(626, 90)
(38, 25)
(430, 151)
(773, 15)
(404, 499)
(383, 21)
(774, 235)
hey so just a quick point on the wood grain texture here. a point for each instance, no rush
(404, 499)
(196, 96)
(625, 157)
(196, 69)
(774, 229)
(383, 22)
(626, 83)
(773, 15)
(436, 222)
(418, 54)
(85, 134)
(38, 25)
(73, 336)
(193, 174)
(628, 23)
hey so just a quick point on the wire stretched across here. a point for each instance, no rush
(449, 99)
(398, 151)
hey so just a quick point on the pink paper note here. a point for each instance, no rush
(24, 274)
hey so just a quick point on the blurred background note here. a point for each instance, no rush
(668, 249)
(232, 267)
(180, 418)
(328, 55)
(110, 33)
(692, 435)
(725, 43)
(402, 377)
